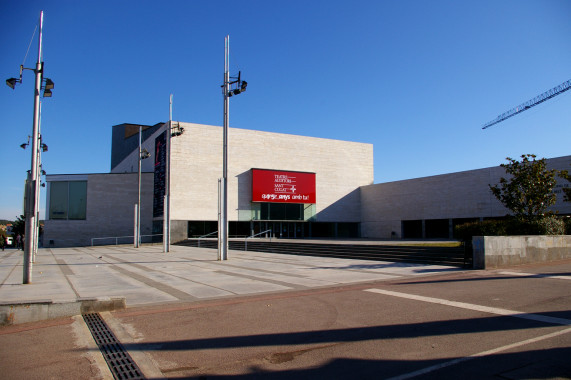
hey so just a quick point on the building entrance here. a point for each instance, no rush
(281, 229)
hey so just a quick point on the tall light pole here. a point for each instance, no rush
(143, 153)
(31, 205)
(223, 227)
(167, 199)
(228, 91)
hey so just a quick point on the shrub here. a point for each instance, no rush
(548, 225)
(465, 232)
(567, 225)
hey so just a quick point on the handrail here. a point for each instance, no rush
(203, 236)
(246, 238)
(120, 237)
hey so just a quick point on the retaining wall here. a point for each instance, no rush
(503, 251)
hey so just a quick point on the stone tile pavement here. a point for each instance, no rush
(147, 275)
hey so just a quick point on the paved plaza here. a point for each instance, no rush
(149, 276)
(272, 316)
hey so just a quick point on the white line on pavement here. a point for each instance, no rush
(485, 309)
(468, 306)
(522, 274)
(478, 355)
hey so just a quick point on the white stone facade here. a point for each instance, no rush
(449, 196)
(341, 168)
(344, 187)
(110, 210)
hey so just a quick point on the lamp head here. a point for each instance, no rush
(24, 145)
(47, 93)
(145, 154)
(12, 82)
(49, 84)
(44, 148)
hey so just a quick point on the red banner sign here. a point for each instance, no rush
(283, 186)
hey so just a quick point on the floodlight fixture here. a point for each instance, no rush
(12, 82)
(44, 148)
(178, 130)
(240, 85)
(25, 145)
(145, 154)
(49, 84)
(47, 93)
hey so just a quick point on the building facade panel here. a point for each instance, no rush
(110, 210)
(341, 168)
(347, 203)
(463, 195)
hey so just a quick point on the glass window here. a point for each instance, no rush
(68, 200)
(77, 200)
(281, 211)
(58, 200)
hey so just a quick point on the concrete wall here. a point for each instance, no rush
(110, 210)
(341, 167)
(503, 251)
(448, 196)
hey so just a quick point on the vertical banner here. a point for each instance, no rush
(160, 174)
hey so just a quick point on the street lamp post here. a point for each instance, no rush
(143, 154)
(31, 205)
(228, 91)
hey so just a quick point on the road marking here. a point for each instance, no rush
(485, 309)
(522, 274)
(478, 355)
(469, 306)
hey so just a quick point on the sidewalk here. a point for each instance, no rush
(111, 277)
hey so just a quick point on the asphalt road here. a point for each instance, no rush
(495, 324)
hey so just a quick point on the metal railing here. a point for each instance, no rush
(124, 239)
(203, 236)
(258, 234)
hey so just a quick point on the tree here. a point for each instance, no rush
(529, 191)
(19, 225)
(567, 190)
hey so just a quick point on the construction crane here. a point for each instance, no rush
(530, 103)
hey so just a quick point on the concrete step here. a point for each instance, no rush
(397, 253)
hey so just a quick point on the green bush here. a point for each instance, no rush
(549, 225)
(465, 232)
(567, 225)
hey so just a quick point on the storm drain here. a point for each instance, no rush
(118, 359)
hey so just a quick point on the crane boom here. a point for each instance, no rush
(530, 103)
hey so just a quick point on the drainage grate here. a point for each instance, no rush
(118, 359)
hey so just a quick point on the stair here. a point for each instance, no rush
(453, 256)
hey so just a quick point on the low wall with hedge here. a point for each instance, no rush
(503, 251)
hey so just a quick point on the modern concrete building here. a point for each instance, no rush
(335, 170)
(295, 186)
(430, 207)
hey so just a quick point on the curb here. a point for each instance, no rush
(13, 313)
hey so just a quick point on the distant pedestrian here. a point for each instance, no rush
(2, 241)
(18, 241)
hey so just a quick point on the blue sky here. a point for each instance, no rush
(417, 79)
